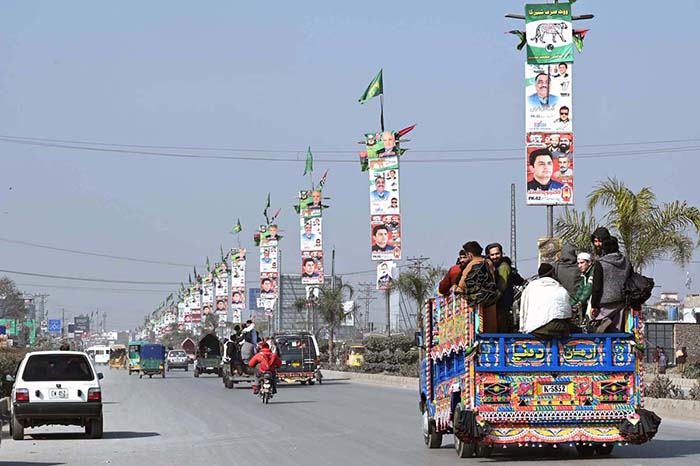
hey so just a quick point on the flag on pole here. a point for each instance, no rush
(276, 214)
(375, 88)
(309, 166)
(267, 206)
(208, 265)
(579, 35)
(323, 181)
(237, 228)
(521, 35)
(221, 251)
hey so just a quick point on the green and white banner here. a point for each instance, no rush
(549, 33)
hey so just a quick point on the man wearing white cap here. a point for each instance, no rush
(581, 301)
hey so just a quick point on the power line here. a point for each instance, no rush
(91, 288)
(649, 152)
(99, 280)
(96, 254)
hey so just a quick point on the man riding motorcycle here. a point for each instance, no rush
(266, 361)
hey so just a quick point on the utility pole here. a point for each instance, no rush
(387, 295)
(513, 232)
(63, 323)
(416, 264)
(367, 296)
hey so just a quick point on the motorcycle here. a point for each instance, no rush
(265, 387)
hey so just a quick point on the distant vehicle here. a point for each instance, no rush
(208, 356)
(356, 356)
(56, 387)
(134, 354)
(99, 354)
(117, 357)
(177, 359)
(189, 346)
(300, 358)
(152, 360)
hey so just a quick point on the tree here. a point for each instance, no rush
(330, 307)
(300, 305)
(418, 287)
(210, 324)
(647, 230)
(11, 301)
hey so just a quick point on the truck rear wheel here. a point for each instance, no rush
(585, 451)
(604, 449)
(431, 438)
(484, 451)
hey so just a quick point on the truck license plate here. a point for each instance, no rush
(555, 388)
(58, 393)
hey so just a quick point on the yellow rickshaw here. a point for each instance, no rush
(117, 357)
(356, 356)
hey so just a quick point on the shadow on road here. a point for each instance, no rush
(661, 449)
(292, 402)
(27, 463)
(80, 435)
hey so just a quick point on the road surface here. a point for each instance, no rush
(181, 420)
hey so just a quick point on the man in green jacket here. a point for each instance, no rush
(581, 302)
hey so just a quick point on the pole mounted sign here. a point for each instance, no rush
(55, 326)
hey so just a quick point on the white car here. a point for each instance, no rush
(56, 387)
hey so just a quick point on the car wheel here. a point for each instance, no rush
(186, 369)
(604, 449)
(17, 429)
(585, 451)
(163, 374)
(150, 376)
(464, 449)
(303, 382)
(140, 376)
(196, 373)
(311, 382)
(229, 384)
(430, 436)
(484, 451)
(94, 428)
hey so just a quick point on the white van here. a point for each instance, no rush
(99, 354)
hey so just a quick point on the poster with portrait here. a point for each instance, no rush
(269, 235)
(238, 261)
(550, 168)
(385, 274)
(385, 233)
(207, 292)
(312, 267)
(384, 185)
(268, 285)
(381, 144)
(548, 98)
(549, 33)
(268, 259)
(221, 285)
(311, 233)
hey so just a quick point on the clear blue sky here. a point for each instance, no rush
(285, 75)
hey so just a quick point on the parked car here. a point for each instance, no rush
(56, 388)
(177, 359)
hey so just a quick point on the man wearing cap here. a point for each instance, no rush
(581, 302)
(545, 307)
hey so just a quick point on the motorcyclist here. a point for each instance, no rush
(266, 361)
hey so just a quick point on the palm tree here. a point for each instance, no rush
(647, 230)
(330, 307)
(418, 287)
(299, 305)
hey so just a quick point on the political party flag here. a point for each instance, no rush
(267, 206)
(276, 214)
(521, 35)
(375, 88)
(237, 228)
(579, 35)
(208, 265)
(322, 181)
(309, 166)
(402, 132)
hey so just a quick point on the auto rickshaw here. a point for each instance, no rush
(208, 356)
(152, 361)
(117, 357)
(356, 356)
(134, 356)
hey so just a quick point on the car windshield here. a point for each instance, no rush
(177, 354)
(57, 367)
(295, 347)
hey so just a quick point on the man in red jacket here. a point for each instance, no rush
(268, 362)
(453, 274)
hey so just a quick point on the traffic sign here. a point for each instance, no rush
(55, 325)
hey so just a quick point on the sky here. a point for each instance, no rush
(280, 76)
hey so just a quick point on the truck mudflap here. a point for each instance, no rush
(640, 428)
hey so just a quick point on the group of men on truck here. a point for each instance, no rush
(581, 291)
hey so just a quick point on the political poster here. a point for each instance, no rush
(550, 168)
(386, 237)
(311, 203)
(381, 144)
(384, 185)
(268, 259)
(312, 267)
(311, 235)
(385, 275)
(548, 98)
(549, 33)
(238, 296)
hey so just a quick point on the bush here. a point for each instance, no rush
(695, 391)
(9, 360)
(391, 343)
(692, 370)
(662, 387)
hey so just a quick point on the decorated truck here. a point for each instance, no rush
(515, 390)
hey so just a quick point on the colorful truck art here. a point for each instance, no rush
(505, 390)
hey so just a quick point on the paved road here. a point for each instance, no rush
(181, 420)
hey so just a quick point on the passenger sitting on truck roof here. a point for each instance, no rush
(448, 283)
(545, 307)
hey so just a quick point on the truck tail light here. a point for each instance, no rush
(94, 394)
(22, 395)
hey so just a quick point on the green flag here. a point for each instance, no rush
(267, 206)
(375, 88)
(237, 228)
(309, 167)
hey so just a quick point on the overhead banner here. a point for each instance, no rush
(268, 267)
(221, 292)
(550, 168)
(549, 33)
(238, 295)
(548, 99)
(382, 157)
